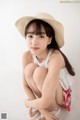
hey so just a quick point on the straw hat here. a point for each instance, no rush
(57, 26)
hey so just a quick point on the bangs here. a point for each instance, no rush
(37, 27)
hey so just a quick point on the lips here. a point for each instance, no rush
(34, 48)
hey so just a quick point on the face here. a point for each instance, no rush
(37, 43)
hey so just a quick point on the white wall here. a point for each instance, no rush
(12, 46)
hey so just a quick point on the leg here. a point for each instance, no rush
(29, 70)
(28, 79)
(39, 76)
(59, 95)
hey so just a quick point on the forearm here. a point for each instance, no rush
(38, 103)
(44, 112)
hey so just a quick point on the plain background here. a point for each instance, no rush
(13, 45)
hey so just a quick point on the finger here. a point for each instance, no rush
(54, 118)
(57, 118)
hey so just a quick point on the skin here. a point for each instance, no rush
(42, 82)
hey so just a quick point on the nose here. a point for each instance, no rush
(35, 41)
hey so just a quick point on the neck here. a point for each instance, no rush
(42, 56)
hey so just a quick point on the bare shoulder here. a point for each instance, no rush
(26, 58)
(57, 60)
(27, 55)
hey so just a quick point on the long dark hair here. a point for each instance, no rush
(53, 45)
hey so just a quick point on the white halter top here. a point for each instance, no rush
(44, 62)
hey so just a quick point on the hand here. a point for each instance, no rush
(33, 112)
(26, 103)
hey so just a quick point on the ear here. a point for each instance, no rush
(50, 39)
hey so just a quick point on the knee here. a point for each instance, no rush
(40, 73)
(29, 69)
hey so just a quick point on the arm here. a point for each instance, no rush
(55, 64)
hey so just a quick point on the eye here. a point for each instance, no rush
(41, 36)
(30, 36)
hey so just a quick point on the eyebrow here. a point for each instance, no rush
(36, 33)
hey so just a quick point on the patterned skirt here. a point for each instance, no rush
(67, 99)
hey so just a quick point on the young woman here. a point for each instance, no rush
(46, 70)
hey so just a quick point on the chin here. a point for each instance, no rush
(32, 52)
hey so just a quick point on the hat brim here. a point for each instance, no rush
(57, 26)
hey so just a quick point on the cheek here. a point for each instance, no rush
(28, 43)
(44, 45)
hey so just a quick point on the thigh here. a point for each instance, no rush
(57, 98)
(59, 95)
